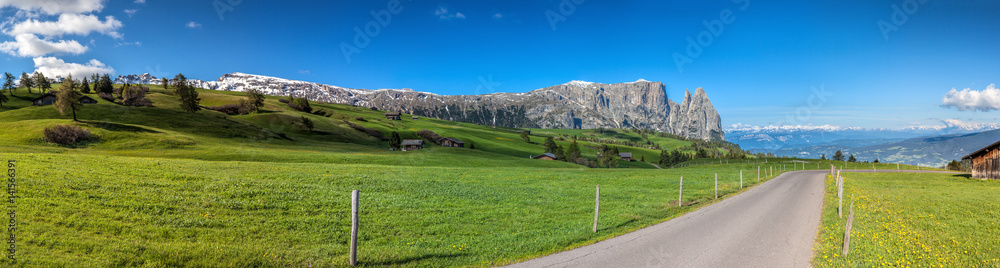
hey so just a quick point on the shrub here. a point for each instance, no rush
(106, 96)
(66, 134)
(371, 132)
(429, 135)
(284, 100)
(231, 109)
(359, 118)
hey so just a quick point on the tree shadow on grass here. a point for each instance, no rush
(964, 176)
(409, 260)
(117, 127)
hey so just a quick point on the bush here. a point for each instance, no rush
(231, 109)
(284, 100)
(66, 134)
(371, 132)
(106, 96)
(359, 118)
(429, 135)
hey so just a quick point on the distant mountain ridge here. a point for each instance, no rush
(641, 104)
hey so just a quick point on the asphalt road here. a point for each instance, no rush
(772, 225)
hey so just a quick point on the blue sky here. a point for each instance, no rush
(758, 70)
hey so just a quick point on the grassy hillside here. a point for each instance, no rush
(166, 131)
(912, 220)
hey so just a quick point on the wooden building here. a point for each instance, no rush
(392, 115)
(625, 156)
(47, 99)
(986, 162)
(411, 145)
(451, 142)
(545, 156)
(87, 100)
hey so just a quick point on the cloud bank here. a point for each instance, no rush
(973, 100)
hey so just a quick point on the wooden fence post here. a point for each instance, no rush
(758, 173)
(840, 195)
(354, 227)
(716, 185)
(597, 206)
(680, 197)
(847, 229)
(741, 179)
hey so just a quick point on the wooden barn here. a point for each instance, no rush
(411, 145)
(392, 115)
(451, 142)
(986, 162)
(87, 100)
(545, 156)
(625, 156)
(47, 99)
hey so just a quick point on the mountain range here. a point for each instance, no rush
(575, 105)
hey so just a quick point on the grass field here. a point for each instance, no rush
(912, 220)
(83, 211)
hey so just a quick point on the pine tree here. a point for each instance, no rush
(395, 141)
(550, 145)
(256, 99)
(822, 157)
(85, 86)
(852, 158)
(8, 83)
(308, 124)
(27, 81)
(572, 152)
(189, 96)
(3, 98)
(472, 146)
(68, 99)
(838, 156)
(165, 83)
(42, 83)
(105, 85)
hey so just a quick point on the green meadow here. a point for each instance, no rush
(159, 187)
(912, 220)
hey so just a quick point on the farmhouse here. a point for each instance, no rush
(87, 100)
(47, 99)
(986, 162)
(392, 115)
(50, 98)
(545, 156)
(451, 142)
(625, 156)
(416, 117)
(411, 145)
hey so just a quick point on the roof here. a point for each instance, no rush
(982, 151)
(87, 97)
(452, 139)
(43, 96)
(412, 142)
(625, 155)
(545, 154)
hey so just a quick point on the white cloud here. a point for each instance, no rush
(29, 45)
(140, 1)
(304, 71)
(498, 15)
(443, 13)
(973, 100)
(68, 24)
(131, 12)
(192, 25)
(53, 7)
(52, 67)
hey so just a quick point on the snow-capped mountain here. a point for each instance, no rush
(641, 104)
